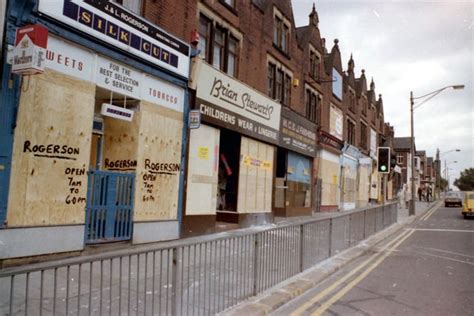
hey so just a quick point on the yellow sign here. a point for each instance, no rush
(290, 169)
(203, 153)
(255, 162)
(334, 179)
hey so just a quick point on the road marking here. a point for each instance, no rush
(446, 258)
(442, 230)
(427, 215)
(445, 251)
(359, 278)
(328, 290)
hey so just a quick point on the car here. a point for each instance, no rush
(468, 209)
(453, 198)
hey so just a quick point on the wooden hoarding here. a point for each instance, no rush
(255, 177)
(51, 151)
(202, 171)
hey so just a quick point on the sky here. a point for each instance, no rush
(418, 46)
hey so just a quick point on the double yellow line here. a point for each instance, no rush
(372, 262)
(429, 213)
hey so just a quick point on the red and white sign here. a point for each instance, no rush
(30, 48)
(116, 112)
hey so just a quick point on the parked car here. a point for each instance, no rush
(453, 198)
(468, 209)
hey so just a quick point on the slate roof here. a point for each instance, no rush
(402, 143)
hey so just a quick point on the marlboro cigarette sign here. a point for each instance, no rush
(30, 48)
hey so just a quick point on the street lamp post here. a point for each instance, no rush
(428, 97)
(446, 170)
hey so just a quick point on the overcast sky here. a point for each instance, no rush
(405, 46)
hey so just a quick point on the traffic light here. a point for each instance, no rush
(383, 159)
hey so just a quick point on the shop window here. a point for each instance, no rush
(350, 132)
(133, 5)
(312, 106)
(218, 46)
(363, 136)
(281, 34)
(279, 84)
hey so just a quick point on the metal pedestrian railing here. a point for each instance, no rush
(196, 276)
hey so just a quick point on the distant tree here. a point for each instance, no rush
(466, 181)
(443, 183)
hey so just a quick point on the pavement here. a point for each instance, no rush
(273, 298)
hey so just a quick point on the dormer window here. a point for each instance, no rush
(281, 32)
(314, 63)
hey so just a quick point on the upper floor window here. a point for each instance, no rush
(279, 84)
(218, 46)
(133, 5)
(374, 113)
(350, 132)
(352, 102)
(312, 105)
(230, 3)
(399, 159)
(363, 136)
(281, 32)
(364, 106)
(314, 64)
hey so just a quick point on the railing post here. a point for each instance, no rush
(174, 281)
(301, 247)
(365, 218)
(330, 237)
(255, 264)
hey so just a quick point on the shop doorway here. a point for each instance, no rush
(111, 183)
(228, 171)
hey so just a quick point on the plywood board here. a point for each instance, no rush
(329, 173)
(255, 177)
(51, 151)
(201, 191)
(158, 163)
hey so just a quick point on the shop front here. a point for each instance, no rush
(364, 185)
(231, 155)
(294, 166)
(349, 177)
(330, 171)
(97, 149)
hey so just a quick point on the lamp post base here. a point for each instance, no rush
(411, 207)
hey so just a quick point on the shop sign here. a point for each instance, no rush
(78, 62)
(297, 133)
(397, 169)
(222, 117)
(113, 24)
(336, 84)
(327, 139)
(69, 59)
(116, 112)
(118, 78)
(253, 112)
(194, 119)
(30, 49)
(250, 161)
(335, 124)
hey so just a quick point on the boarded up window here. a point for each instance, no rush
(256, 177)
